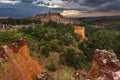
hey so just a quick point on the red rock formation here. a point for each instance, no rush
(105, 67)
(20, 65)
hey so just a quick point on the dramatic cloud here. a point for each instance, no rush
(76, 14)
(66, 7)
(21, 10)
(86, 5)
(102, 5)
(95, 3)
(92, 5)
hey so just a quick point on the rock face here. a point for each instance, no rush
(18, 65)
(54, 17)
(105, 67)
(80, 31)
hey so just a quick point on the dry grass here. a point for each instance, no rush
(66, 74)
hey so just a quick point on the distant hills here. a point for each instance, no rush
(94, 18)
(3, 17)
(61, 19)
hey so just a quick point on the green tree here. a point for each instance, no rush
(69, 57)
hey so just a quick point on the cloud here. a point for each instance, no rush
(9, 1)
(64, 6)
(28, 1)
(69, 13)
(89, 5)
(102, 5)
(21, 10)
(71, 1)
(94, 5)
(76, 14)
(81, 5)
(39, 3)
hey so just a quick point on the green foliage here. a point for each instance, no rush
(55, 46)
(100, 38)
(50, 37)
(10, 36)
(71, 58)
(57, 37)
(12, 21)
(45, 48)
(51, 67)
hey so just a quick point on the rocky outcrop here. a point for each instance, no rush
(17, 62)
(105, 66)
(80, 31)
(54, 17)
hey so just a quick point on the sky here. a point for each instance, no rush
(67, 8)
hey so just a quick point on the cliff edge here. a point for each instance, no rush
(17, 63)
(105, 66)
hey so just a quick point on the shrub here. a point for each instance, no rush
(55, 46)
(51, 67)
(69, 57)
(10, 36)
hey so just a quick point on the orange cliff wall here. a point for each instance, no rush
(21, 66)
(80, 31)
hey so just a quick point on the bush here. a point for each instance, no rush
(55, 46)
(51, 67)
(45, 49)
(10, 36)
(69, 57)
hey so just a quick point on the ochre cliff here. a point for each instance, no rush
(105, 66)
(18, 65)
(80, 31)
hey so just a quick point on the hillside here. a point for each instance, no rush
(54, 17)
(19, 65)
(61, 50)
